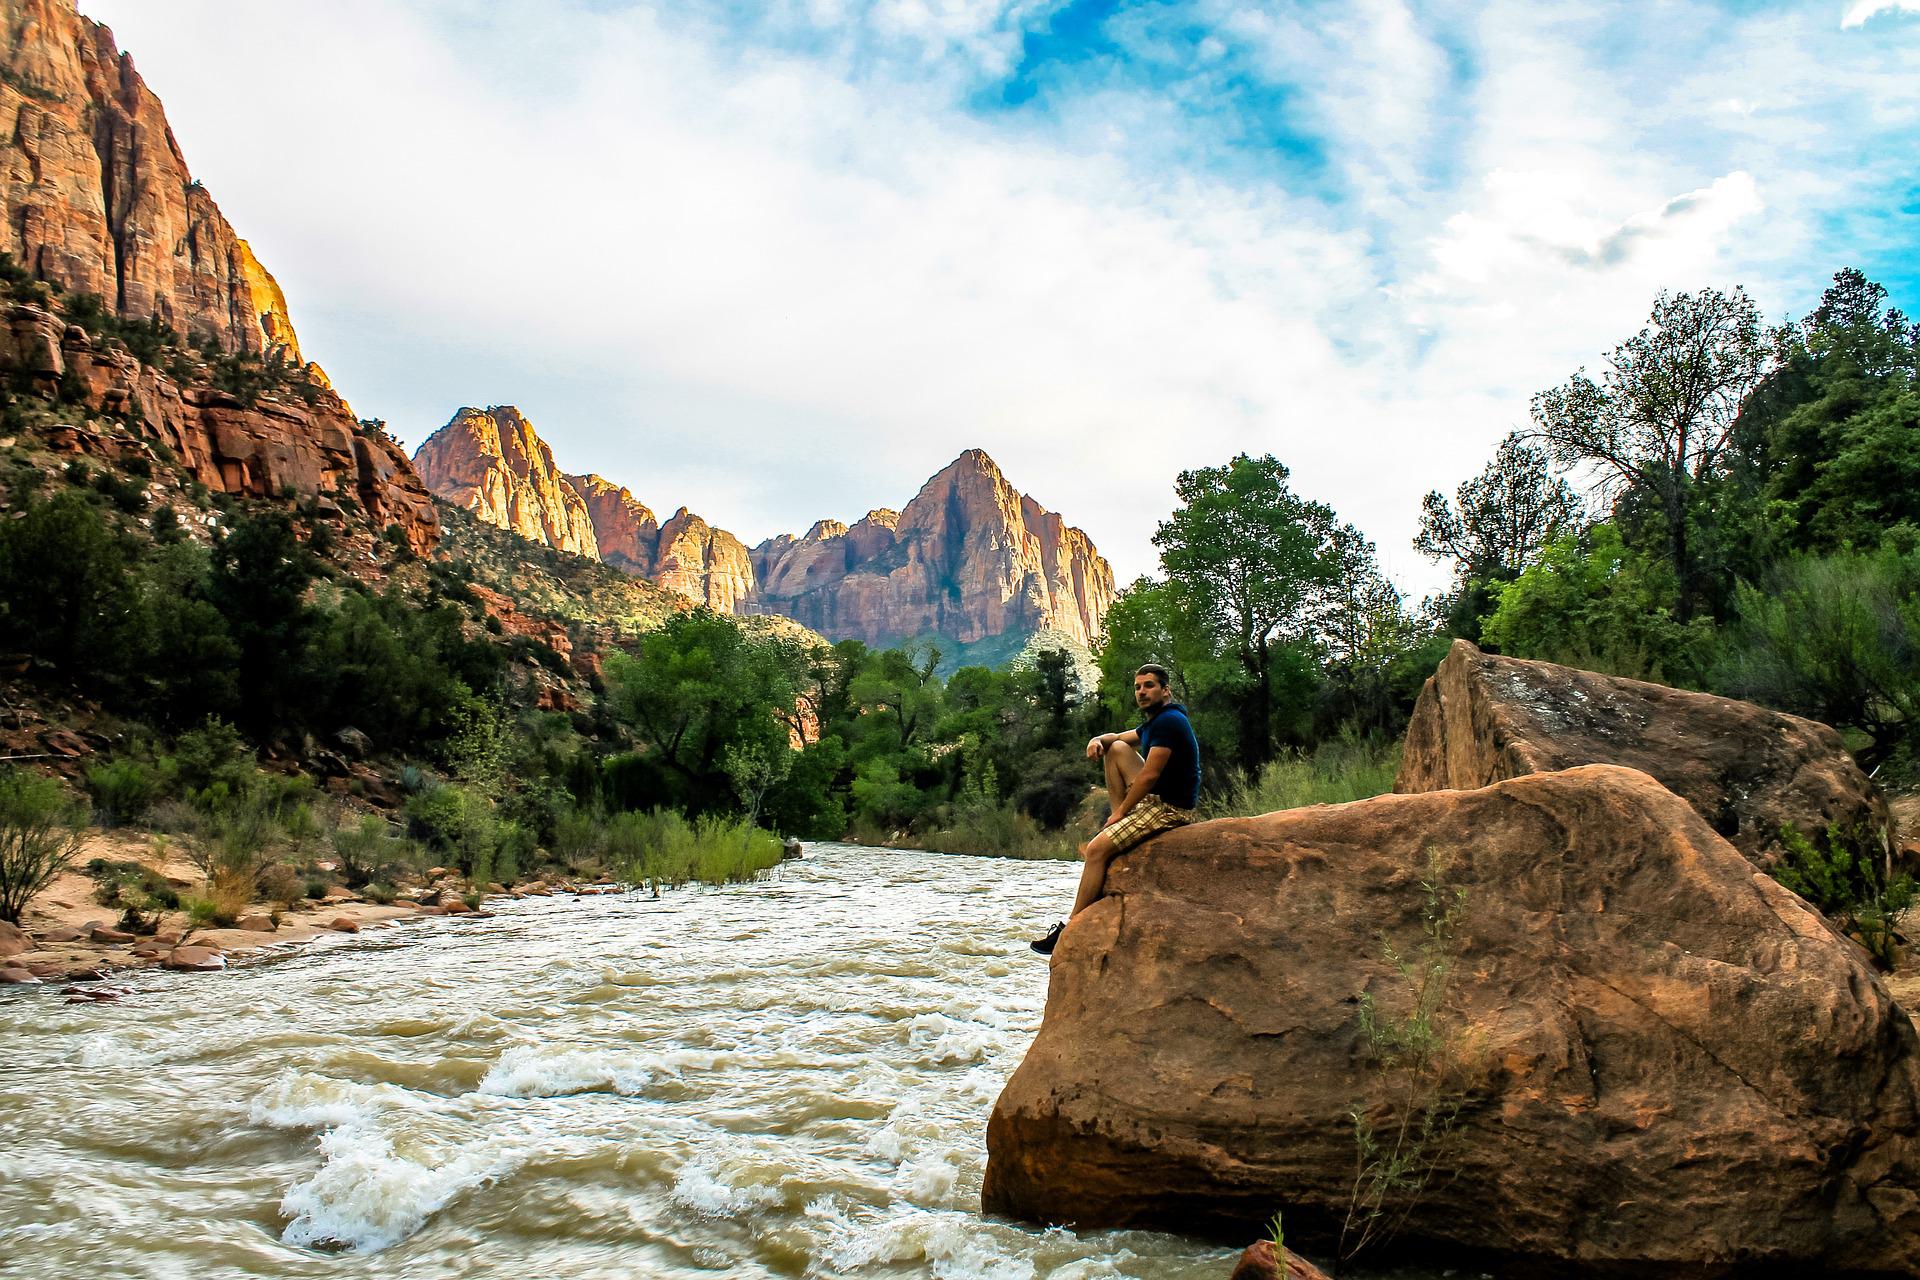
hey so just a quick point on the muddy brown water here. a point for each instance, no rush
(790, 1078)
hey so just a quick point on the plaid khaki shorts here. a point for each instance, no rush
(1149, 818)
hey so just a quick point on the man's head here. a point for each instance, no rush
(1152, 687)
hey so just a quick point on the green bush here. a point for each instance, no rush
(1343, 769)
(458, 822)
(662, 849)
(40, 830)
(123, 790)
(1843, 875)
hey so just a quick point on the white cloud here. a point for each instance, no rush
(1860, 11)
(782, 280)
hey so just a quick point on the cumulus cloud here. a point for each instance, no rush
(781, 262)
(1860, 11)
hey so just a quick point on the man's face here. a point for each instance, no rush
(1148, 692)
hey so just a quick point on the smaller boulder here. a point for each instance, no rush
(167, 938)
(195, 959)
(258, 922)
(63, 934)
(1259, 1263)
(13, 975)
(339, 893)
(357, 743)
(13, 940)
(112, 937)
(344, 925)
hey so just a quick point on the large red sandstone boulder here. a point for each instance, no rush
(1666, 1059)
(1747, 770)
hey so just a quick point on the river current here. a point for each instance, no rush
(789, 1078)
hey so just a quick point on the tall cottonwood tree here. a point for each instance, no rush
(1655, 424)
(1255, 560)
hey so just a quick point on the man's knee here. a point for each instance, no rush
(1099, 849)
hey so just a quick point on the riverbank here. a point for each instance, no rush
(66, 936)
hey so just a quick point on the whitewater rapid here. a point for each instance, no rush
(790, 1078)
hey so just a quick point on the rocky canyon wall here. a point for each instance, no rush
(98, 195)
(970, 558)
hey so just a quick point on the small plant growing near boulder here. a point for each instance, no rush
(123, 790)
(1402, 1144)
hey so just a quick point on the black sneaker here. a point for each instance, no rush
(1045, 945)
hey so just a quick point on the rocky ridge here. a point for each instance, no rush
(99, 201)
(490, 462)
(98, 195)
(968, 559)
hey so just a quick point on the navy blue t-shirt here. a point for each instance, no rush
(1178, 783)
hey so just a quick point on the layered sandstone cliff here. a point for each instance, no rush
(970, 557)
(260, 448)
(98, 195)
(491, 462)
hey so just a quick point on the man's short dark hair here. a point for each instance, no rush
(1158, 672)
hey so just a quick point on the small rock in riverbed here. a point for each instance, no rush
(85, 975)
(258, 922)
(195, 959)
(62, 935)
(111, 936)
(1258, 1263)
(344, 925)
(18, 977)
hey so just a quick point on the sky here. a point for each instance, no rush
(783, 261)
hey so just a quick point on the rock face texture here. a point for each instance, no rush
(970, 557)
(1746, 770)
(318, 450)
(1665, 1060)
(624, 528)
(491, 462)
(99, 198)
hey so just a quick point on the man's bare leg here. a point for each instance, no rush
(1123, 766)
(1097, 853)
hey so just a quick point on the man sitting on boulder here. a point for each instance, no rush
(1153, 785)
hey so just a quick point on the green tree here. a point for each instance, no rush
(1657, 422)
(260, 579)
(699, 686)
(66, 592)
(40, 831)
(1496, 525)
(1255, 561)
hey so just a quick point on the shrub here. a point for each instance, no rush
(278, 882)
(367, 850)
(662, 849)
(381, 892)
(457, 821)
(40, 832)
(1842, 875)
(123, 790)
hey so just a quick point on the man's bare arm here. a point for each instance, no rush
(1149, 774)
(1097, 745)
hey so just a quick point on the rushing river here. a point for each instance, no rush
(789, 1078)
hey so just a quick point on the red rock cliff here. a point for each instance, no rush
(969, 558)
(98, 195)
(491, 462)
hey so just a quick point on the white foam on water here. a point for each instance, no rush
(534, 1071)
(102, 1049)
(702, 1188)
(940, 1039)
(302, 1100)
(366, 1197)
(930, 1182)
(953, 1246)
